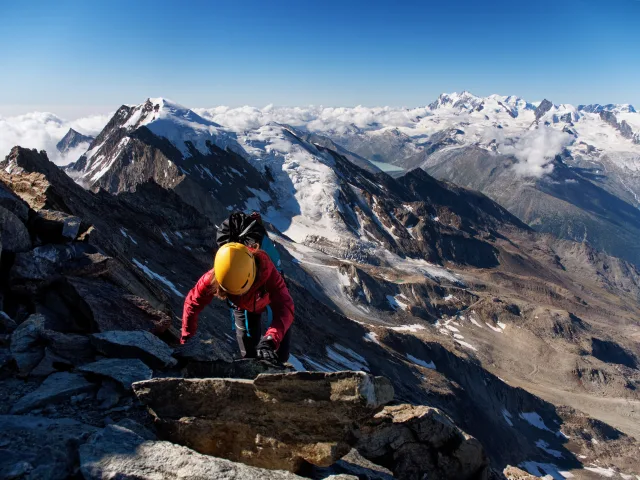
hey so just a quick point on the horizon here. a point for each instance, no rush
(75, 59)
(110, 110)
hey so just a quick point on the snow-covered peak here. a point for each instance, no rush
(178, 124)
(463, 100)
(611, 107)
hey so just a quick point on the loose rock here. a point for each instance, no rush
(135, 344)
(40, 448)
(295, 417)
(55, 389)
(123, 371)
(27, 347)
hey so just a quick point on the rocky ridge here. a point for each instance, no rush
(133, 232)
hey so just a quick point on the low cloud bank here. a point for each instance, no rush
(338, 120)
(535, 150)
(42, 131)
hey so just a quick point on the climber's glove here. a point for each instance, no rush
(266, 350)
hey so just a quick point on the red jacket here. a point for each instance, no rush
(268, 289)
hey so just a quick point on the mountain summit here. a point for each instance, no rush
(73, 139)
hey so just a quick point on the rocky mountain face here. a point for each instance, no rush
(176, 148)
(73, 140)
(493, 336)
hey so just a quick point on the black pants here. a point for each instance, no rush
(248, 338)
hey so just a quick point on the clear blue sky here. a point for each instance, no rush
(84, 56)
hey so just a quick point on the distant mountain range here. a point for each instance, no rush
(571, 171)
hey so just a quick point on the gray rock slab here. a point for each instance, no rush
(40, 448)
(125, 371)
(135, 344)
(55, 389)
(117, 452)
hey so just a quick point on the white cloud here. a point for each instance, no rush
(315, 119)
(535, 149)
(42, 130)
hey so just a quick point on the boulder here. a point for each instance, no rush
(415, 442)
(75, 349)
(124, 371)
(120, 452)
(39, 448)
(47, 260)
(134, 344)
(52, 226)
(14, 234)
(106, 306)
(27, 346)
(55, 389)
(247, 369)
(277, 421)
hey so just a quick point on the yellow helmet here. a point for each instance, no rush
(234, 268)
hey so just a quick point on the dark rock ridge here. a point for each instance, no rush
(543, 108)
(72, 140)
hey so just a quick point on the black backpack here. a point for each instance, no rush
(241, 228)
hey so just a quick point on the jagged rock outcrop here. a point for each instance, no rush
(414, 441)
(277, 421)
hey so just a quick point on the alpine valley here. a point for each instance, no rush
(480, 253)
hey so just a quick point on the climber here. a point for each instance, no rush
(247, 278)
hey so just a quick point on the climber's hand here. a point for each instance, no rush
(265, 350)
